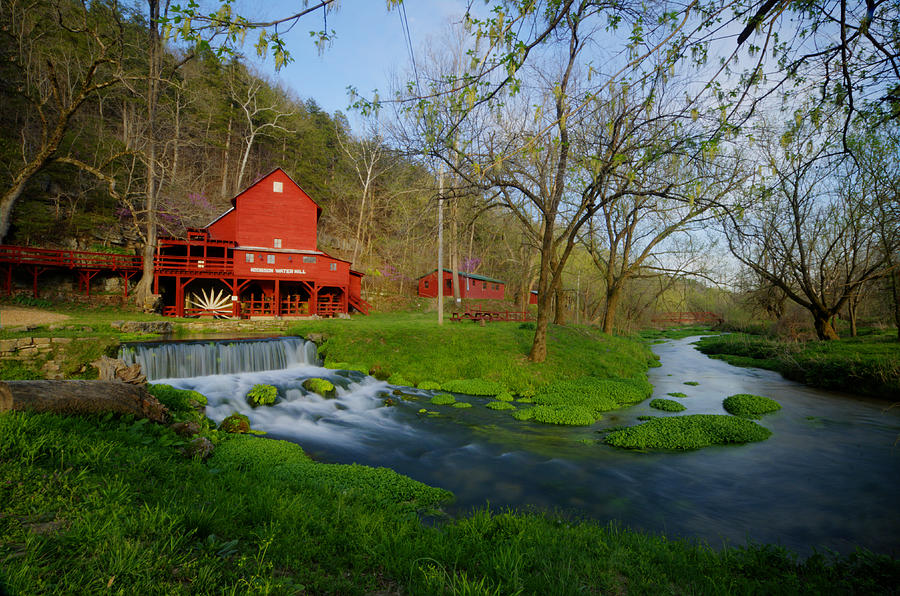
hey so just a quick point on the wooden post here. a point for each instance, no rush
(314, 299)
(277, 311)
(179, 297)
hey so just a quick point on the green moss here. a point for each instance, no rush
(750, 406)
(692, 383)
(523, 414)
(565, 415)
(677, 394)
(667, 405)
(262, 395)
(177, 400)
(525, 400)
(505, 396)
(429, 385)
(443, 399)
(473, 387)
(398, 379)
(323, 387)
(236, 423)
(462, 404)
(500, 405)
(593, 395)
(688, 432)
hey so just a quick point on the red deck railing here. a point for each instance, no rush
(210, 264)
(71, 259)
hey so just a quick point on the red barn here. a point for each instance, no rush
(470, 285)
(259, 258)
(532, 297)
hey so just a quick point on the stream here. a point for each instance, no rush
(828, 477)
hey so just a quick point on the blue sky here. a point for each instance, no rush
(368, 48)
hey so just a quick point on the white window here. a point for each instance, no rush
(278, 243)
(277, 187)
(334, 266)
(249, 257)
(270, 259)
(309, 259)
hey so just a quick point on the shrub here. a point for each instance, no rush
(443, 399)
(567, 415)
(750, 406)
(473, 387)
(505, 396)
(500, 405)
(677, 394)
(262, 395)
(462, 404)
(236, 423)
(323, 387)
(688, 432)
(429, 386)
(667, 405)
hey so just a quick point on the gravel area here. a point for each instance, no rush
(15, 316)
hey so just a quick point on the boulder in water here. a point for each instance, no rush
(262, 395)
(236, 423)
(323, 387)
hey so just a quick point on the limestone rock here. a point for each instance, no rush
(113, 369)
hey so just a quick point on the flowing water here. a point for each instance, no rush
(828, 477)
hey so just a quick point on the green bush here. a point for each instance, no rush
(677, 394)
(688, 432)
(667, 405)
(177, 400)
(500, 405)
(462, 404)
(473, 387)
(429, 386)
(747, 405)
(323, 387)
(262, 395)
(566, 415)
(443, 399)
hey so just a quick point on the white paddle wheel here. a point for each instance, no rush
(215, 303)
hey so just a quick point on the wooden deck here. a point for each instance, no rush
(85, 264)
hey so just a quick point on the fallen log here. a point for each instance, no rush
(81, 397)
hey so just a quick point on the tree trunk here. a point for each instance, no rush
(81, 397)
(559, 314)
(225, 159)
(539, 344)
(613, 295)
(852, 305)
(824, 330)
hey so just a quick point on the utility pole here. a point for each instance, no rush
(440, 236)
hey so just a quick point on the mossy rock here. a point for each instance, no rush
(500, 405)
(667, 405)
(747, 405)
(237, 423)
(505, 396)
(462, 404)
(323, 387)
(262, 395)
(443, 399)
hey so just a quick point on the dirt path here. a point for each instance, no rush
(15, 316)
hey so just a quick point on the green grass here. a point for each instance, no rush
(750, 406)
(568, 415)
(492, 358)
(667, 405)
(79, 516)
(869, 365)
(688, 432)
(588, 396)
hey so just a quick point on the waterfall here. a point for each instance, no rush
(201, 358)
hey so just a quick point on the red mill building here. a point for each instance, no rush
(259, 258)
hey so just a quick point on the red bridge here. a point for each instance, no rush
(85, 264)
(687, 318)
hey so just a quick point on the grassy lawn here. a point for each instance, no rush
(868, 364)
(105, 505)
